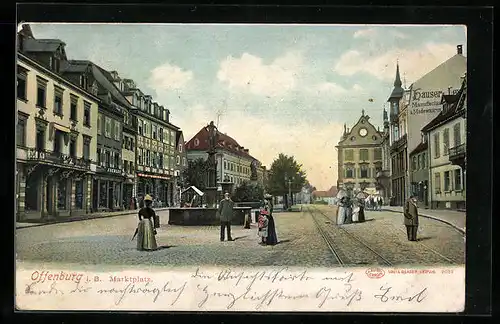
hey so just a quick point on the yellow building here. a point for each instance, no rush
(360, 156)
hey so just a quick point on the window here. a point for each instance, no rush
(72, 147)
(99, 124)
(184, 162)
(58, 138)
(446, 141)
(73, 114)
(424, 160)
(364, 172)
(99, 158)
(131, 167)
(21, 130)
(178, 160)
(414, 163)
(139, 125)
(117, 131)
(180, 148)
(86, 147)
(139, 156)
(107, 127)
(437, 148)
(58, 100)
(83, 81)
(117, 160)
(125, 166)
(349, 172)
(456, 135)
(172, 138)
(458, 179)
(41, 92)
(155, 128)
(61, 193)
(437, 182)
(148, 155)
(40, 138)
(363, 154)
(21, 83)
(349, 154)
(171, 162)
(107, 158)
(377, 154)
(160, 135)
(86, 113)
(447, 182)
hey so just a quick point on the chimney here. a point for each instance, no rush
(459, 49)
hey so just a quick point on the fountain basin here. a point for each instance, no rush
(196, 216)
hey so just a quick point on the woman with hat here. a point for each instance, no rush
(146, 231)
(272, 237)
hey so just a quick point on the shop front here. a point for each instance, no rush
(107, 190)
(154, 185)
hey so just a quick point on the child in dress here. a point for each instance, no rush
(263, 225)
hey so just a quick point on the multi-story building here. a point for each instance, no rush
(360, 156)
(446, 135)
(180, 165)
(155, 145)
(56, 133)
(398, 101)
(383, 177)
(419, 172)
(234, 163)
(109, 178)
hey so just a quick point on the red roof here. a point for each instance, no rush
(199, 142)
(332, 192)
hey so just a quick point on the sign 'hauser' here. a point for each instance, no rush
(429, 101)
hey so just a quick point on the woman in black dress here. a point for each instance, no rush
(272, 238)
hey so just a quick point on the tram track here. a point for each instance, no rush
(348, 240)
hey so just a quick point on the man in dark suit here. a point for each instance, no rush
(411, 218)
(226, 214)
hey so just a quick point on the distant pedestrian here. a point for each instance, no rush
(380, 202)
(146, 231)
(411, 218)
(225, 211)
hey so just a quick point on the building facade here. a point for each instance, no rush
(234, 162)
(360, 156)
(446, 135)
(108, 182)
(56, 135)
(155, 145)
(181, 165)
(419, 173)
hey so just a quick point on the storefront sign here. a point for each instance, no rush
(112, 170)
(426, 101)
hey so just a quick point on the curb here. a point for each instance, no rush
(461, 230)
(70, 220)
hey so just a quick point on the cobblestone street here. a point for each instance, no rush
(107, 241)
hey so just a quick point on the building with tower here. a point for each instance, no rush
(398, 102)
(360, 156)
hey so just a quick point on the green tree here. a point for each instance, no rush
(195, 174)
(248, 192)
(285, 175)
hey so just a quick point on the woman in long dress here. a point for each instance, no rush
(341, 214)
(272, 237)
(146, 232)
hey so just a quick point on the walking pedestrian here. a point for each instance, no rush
(225, 211)
(146, 231)
(380, 202)
(411, 218)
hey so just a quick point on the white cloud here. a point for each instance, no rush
(335, 89)
(414, 62)
(365, 33)
(311, 145)
(249, 73)
(168, 77)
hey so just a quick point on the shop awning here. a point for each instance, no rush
(62, 128)
(198, 191)
(154, 176)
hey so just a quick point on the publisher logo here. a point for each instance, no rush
(375, 273)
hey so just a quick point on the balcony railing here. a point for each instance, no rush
(457, 151)
(58, 158)
(400, 142)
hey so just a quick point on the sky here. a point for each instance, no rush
(276, 88)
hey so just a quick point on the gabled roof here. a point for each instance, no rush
(224, 142)
(454, 111)
(42, 45)
(420, 148)
(332, 192)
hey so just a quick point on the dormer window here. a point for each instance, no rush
(83, 81)
(196, 142)
(51, 63)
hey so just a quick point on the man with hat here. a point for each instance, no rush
(411, 217)
(226, 215)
